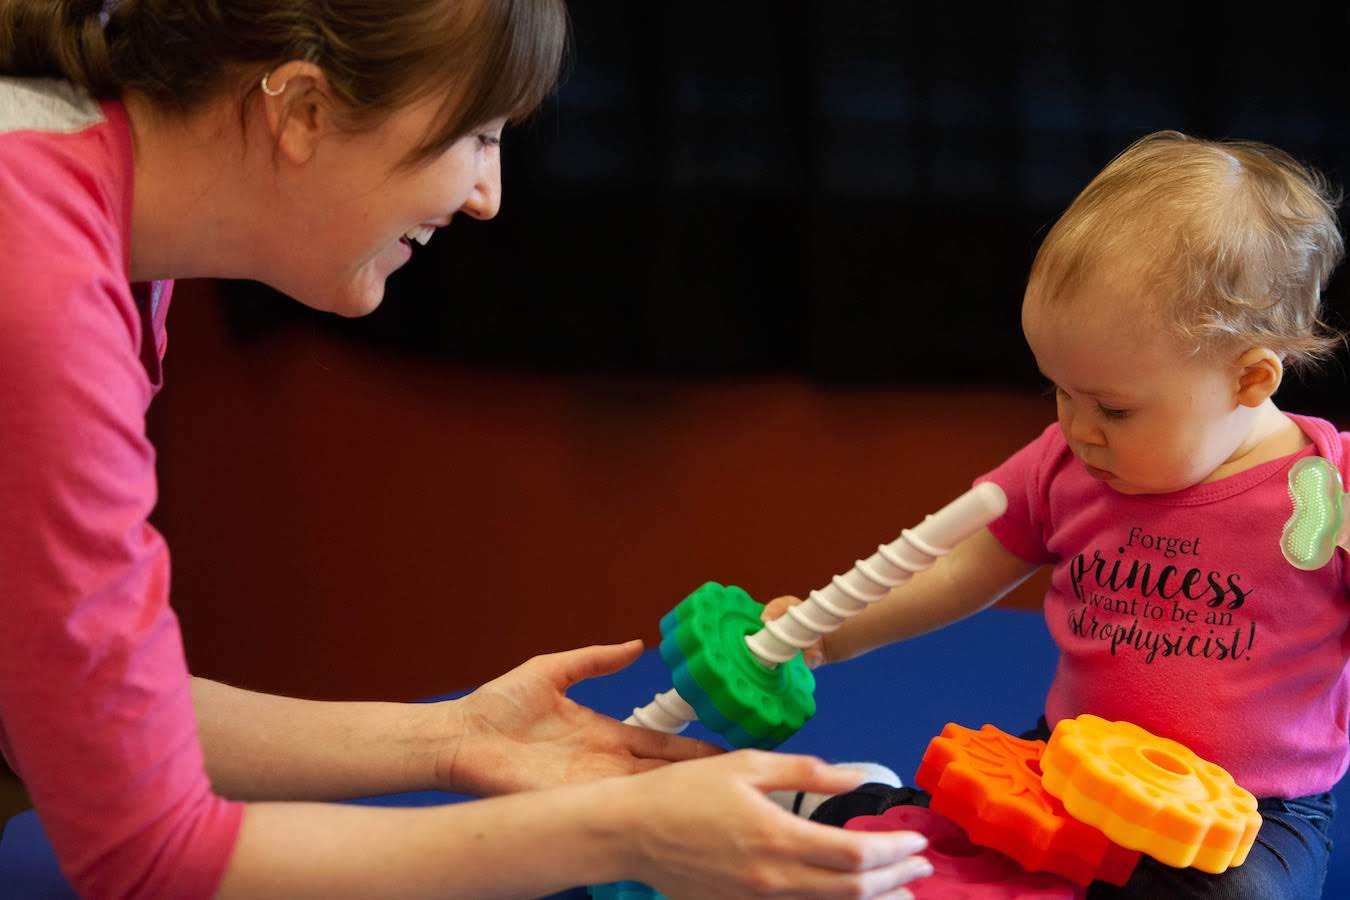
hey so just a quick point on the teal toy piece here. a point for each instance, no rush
(1310, 536)
(624, 890)
(749, 704)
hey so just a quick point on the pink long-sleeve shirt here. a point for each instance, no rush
(96, 714)
(1178, 612)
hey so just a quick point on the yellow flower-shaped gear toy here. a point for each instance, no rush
(1150, 794)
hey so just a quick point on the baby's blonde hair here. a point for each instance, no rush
(1233, 240)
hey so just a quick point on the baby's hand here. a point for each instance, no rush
(816, 654)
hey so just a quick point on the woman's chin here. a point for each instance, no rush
(360, 295)
(356, 305)
(351, 301)
(364, 291)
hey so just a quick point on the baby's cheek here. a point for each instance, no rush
(1157, 467)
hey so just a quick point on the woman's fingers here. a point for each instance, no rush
(660, 747)
(834, 848)
(897, 894)
(799, 880)
(793, 772)
(886, 882)
(570, 666)
(707, 831)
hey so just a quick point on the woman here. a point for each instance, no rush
(306, 144)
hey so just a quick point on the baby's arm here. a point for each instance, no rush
(977, 572)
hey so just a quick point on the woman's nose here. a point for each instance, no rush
(486, 198)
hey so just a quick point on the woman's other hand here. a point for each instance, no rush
(705, 830)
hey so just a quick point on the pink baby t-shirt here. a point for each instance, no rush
(96, 713)
(1179, 613)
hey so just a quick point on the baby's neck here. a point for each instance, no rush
(1273, 435)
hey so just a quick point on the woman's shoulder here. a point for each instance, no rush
(65, 188)
(65, 178)
(46, 105)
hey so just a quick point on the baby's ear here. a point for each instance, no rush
(1259, 373)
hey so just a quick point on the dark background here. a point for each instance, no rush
(848, 191)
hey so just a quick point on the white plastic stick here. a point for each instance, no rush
(667, 712)
(871, 579)
(847, 595)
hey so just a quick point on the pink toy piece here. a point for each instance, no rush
(961, 870)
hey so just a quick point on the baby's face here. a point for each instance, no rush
(1138, 411)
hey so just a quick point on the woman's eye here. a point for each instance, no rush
(489, 140)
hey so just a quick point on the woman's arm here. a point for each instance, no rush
(517, 732)
(699, 829)
(263, 747)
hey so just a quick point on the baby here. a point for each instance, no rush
(1164, 308)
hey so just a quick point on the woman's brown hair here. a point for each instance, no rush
(491, 59)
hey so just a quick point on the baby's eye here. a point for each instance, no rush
(1110, 414)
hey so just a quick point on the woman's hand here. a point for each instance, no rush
(705, 830)
(521, 732)
(814, 655)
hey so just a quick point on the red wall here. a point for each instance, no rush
(346, 523)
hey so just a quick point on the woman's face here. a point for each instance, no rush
(355, 205)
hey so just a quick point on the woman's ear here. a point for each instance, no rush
(297, 108)
(1259, 373)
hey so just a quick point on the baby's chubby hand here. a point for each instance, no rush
(815, 655)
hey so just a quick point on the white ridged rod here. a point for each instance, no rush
(847, 595)
(871, 579)
(667, 712)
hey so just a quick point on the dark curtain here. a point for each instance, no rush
(852, 191)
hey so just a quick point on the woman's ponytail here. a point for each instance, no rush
(57, 39)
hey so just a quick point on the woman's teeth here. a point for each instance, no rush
(421, 234)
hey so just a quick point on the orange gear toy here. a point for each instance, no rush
(989, 783)
(1150, 793)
